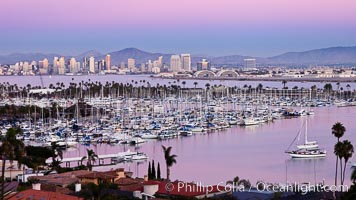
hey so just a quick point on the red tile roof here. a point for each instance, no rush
(43, 195)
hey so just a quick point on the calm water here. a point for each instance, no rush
(36, 81)
(255, 153)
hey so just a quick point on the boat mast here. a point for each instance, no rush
(306, 130)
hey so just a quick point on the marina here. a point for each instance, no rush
(228, 125)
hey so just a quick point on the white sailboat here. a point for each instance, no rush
(308, 144)
(307, 150)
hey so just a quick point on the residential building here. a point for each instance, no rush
(175, 63)
(186, 62)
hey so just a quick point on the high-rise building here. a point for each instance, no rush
(175, 63)
(61, 66)
(203, 65)
(91, 64)
(186, 62)
(26, 67)
(131, 64)
(250, 64)
(45, 63)
(55, 65)
(122, 65)
(73, 65)
(85, 66)
(107, 62)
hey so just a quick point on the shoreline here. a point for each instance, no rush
(334, 79)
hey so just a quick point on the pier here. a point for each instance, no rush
(101, 158)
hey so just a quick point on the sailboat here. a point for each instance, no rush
(308, 144)
(310, 149)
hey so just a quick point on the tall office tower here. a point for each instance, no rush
(175, 63)
(122, 65)
(25, 67)
(91, 65)
(143, 67)
(203, 65)
(131, 64)
(186, 62)
(73, 65)
(150, 65)
(61, 66)
(55, 65)
(249, 63)
(45, 64)
(107, 62)
(85, 65)
(101, 65)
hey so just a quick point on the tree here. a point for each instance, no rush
(11, 149)
(338, 130)
(36, 156)
(348, 150)
(153, 173)
(353, 176)
(149, 171)
(170, 159)
(284, 82)
(91, 157)
(158, 171)
(56, 152)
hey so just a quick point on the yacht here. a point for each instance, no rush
(307, 144)
(305, 153)
(136, 140)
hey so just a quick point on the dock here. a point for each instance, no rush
(101, 158)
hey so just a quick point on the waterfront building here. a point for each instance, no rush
(108, 62)
(203, 65)
(91, 64)
(186, 62)
(175, 63)
(131, 64)
(249, 64)
(61, 66)
(73, 65)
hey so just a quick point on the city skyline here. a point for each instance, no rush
(214, 28)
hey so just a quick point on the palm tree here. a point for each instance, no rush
(284, 82)
(338, 130)
(91, 157)
(353, 176)
(195, 84)
(338, 151)
(170, 159)
(348, 150)
(11, 149)
(56, 152)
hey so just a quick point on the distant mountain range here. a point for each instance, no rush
(326, 56)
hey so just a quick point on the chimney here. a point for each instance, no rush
(36, 186)
(145, 178)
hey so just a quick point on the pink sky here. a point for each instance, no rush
(173, 12)
(257, 27)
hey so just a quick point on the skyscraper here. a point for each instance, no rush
(175, 63)
(108, 62)
(186, 62)
(203, 65)
(61, 66)
(131, 64)
(250, 64)
(55, 65)
(91, 64)
(73, 66)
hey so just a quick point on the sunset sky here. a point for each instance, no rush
(210, 27)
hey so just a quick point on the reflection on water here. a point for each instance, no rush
(220, 156)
